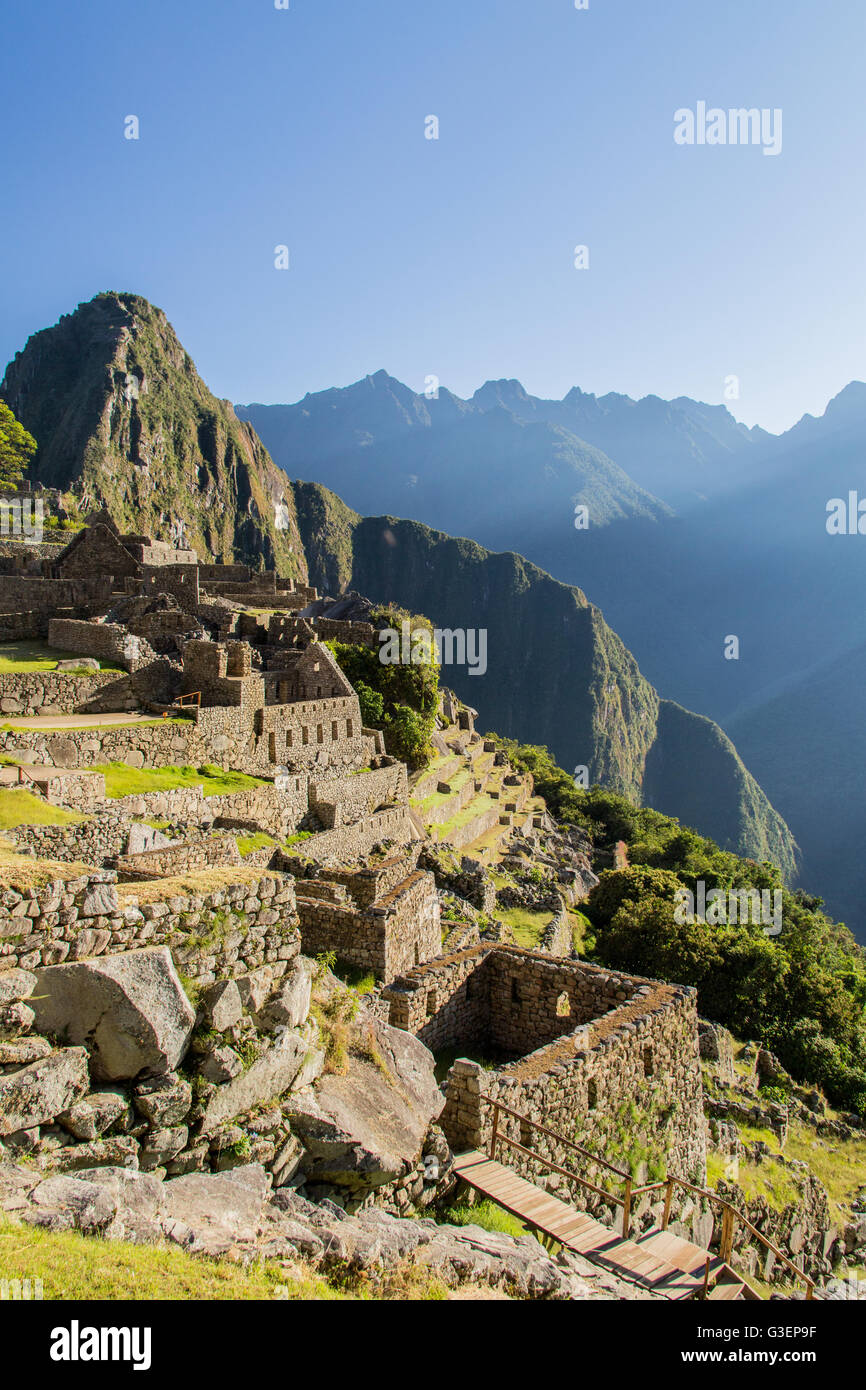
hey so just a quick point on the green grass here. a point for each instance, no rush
(476, 807)
(248, 843)
(75, 1267)
(431, 803)
(361, 981)
(38, 656)
(20, 807)
(580, 927)
(487, 1215)
(528, 926)
(121, 780)
(840, 1164)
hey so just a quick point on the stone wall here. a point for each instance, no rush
(398, 932)
(18, 592)
(342, 800)
(350, 843)
(181, 581)
(50, 692)
(557, 936)
(205, 852)
(109, 642)
(368, 885)
(222, 933)
(90, 842)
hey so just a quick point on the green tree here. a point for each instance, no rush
(17, 447)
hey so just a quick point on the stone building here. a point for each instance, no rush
(593, 1054)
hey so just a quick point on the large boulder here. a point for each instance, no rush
(366, 1126)
(129, 1009)
(33, 1095)
(209, 1213)
(269, 1076)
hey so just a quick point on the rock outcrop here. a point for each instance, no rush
(130, 1009)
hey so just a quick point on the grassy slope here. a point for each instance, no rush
(74, 1267)
(122, 780)
(21, 807)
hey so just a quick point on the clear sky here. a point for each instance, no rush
(452, 257)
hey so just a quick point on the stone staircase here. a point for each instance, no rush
(467, 799)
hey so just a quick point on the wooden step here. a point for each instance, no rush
(724, 1292)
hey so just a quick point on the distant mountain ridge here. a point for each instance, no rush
(669, 451)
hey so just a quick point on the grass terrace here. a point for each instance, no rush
(122, 780)
(38, 656)
(23, 872)
(197, 883)
(21, 807)
(528, 926)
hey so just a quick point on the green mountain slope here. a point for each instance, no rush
(120, 414)
(556, 673)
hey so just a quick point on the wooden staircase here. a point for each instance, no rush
(660, 1262)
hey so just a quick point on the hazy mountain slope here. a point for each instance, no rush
(118, 409)
(556, 672)
(808, 747)
(378, 434)
(450, 463)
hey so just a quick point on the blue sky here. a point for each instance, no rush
(452, 257)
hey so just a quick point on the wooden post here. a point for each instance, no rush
(726, 1239)
(626, 1209)
(495, 1134)
(669, 1197)
(706, 1276)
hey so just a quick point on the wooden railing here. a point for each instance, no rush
(729, 1214)
(192, 697)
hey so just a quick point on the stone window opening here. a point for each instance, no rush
(305, 735)
(320, 734)
(272, 747)
(648, 1061)
(335, 733)
(563, 1005)
(349, 733)
(591, 1095)
(515, 991)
